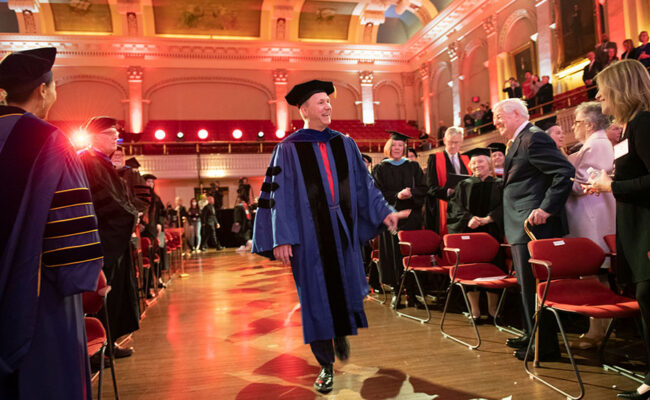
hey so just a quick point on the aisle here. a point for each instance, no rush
(231, 330)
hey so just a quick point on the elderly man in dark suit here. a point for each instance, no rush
(589, 73)
(536, 185)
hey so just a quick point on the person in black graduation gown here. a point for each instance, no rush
(210, 224)
(624, 92)
(439, 167)
(497, 157)
(476, 206)
(401, 181)
(242, 224)
(117, 219)
(138, 192)
(154, 227)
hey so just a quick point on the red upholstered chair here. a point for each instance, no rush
(558, 265)
(97, 338)
(419, 248)
(473, 254)
(373, 265)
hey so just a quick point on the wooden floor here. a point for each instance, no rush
(231, 330)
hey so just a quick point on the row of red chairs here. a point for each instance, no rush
(558, 265)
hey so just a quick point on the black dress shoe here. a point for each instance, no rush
(633, 394)
(395, 303)
(477, 320)
(342, 348)
(550, 356)
(519, 342)
(325, 380)
(122, 352)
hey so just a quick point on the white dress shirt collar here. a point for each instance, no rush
(521, 128)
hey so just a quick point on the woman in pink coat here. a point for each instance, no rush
(592, 217)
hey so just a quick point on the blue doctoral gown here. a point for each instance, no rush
(325, 228)
(49, 255)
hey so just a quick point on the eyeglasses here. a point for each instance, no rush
(577, 121)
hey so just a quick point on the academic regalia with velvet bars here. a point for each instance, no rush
(439, 167)
(49, 255)
(116, 218)
(325, 217)
(137, 190)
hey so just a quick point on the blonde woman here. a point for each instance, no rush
(624, 93)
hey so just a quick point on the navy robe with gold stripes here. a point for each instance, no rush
(49, 255)
(325, 219)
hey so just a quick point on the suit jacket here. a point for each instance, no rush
(601, 52)
(536, 175)
(590, 73)
(513, 92)
(592, 217)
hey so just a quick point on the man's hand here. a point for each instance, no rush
(538, 217)
(218, 226)
(159, 228)
(283, 253)
(404, 194)
(392, 219)
(474, 223)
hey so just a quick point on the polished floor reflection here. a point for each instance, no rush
(231, 330)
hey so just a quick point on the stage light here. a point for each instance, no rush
(180, 135)
(260, 135)
(203, 134)
(279, 133)
(80, 139)
(159, 134)
(237, 133)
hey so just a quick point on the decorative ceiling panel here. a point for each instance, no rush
(325, 20)
(208, 17)
(82, 16)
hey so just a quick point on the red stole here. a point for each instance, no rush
(441, 172)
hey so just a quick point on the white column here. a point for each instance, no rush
(489, 26)
(544, 38)
(367, 101)
(135, 123)
(453, 51)
(426, 102)
(281, 105)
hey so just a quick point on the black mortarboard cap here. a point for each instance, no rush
(367, 158)
(497, 147)
(22, 71)
(149, 176)
(99, 124)
(302, 92)
(132, 162)
(478, 151)
(398, 136)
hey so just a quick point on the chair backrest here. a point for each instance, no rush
(474, 247)
(93, 301)
(374, 243)
(569, 257)
(610, 240)
(423, 241)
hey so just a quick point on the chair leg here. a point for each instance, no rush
(381, 285)
(399, 291)
(615, 368)
(568, 349)
(417, 281)
(469, 309)
(509, 329)
(101, 373)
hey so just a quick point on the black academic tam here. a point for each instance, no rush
(303, 91)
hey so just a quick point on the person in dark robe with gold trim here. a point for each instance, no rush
(49, 245)
(439, 168)
(318, 204)
(117, 219)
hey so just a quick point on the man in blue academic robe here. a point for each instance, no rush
(317, 206)
(49, 245)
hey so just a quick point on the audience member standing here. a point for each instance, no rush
(527, 86)
(536, 184)
(242, 225)
(117, 219)
(210, 226)
(402, 184)
(602, 50)
(49, 245)
(512, 88)
(589, 73)
(439, 168)
(642, 52)
(180, 214)
(557, 134)
(628, 46)
(193, 218)
(624, 93)
(215, 191)
(611, 57)
(245, 191)
(592, 217)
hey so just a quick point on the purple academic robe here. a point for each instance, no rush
(49, 255)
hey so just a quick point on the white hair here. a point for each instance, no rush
(453, 131)
(512, 105)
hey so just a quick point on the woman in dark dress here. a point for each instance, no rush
(192, 231)
(624, 92)
(628, 46)
(242, 227)
(402, 183)
(642, 53)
